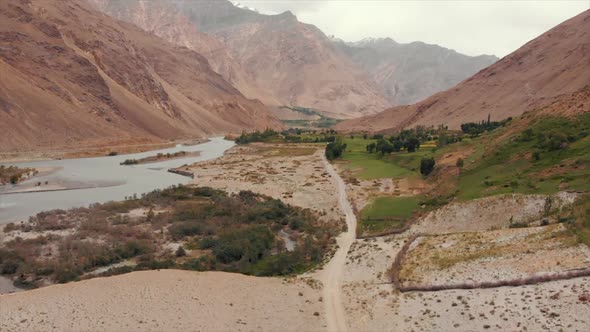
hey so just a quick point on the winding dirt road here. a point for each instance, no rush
(331, 276)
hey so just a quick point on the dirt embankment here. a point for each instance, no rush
(495, 212)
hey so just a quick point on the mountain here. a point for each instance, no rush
(274, 58)
(547, 69)
(168, 22)
(411, 72)
(72, 75)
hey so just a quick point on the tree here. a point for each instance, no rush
(384, 147)
(412, 144)
(427, 166)
(397, 145)
(371, 147)
(334, 149)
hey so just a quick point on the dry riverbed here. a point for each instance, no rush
(293, 173)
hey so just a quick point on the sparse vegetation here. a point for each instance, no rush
(14, 175)
(159, 157)
(551, 153)
(234, 232)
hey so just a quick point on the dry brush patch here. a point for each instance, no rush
(194, 228)
(466, 260)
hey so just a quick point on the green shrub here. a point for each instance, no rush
(180, 252)
(427, 166)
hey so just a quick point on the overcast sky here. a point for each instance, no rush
(470, 27)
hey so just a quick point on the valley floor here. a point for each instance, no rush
(357, 292)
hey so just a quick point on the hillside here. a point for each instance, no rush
(411, 72)
(71, 75)
(168, 22)
(296, 61)
(554, 64)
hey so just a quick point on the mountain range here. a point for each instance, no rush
(281, 61)
(552, 68)
(103, 72)
(74, 76)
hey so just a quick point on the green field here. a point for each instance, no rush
(400, 208)
(369, 166)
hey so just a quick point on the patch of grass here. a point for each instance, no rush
(369, 166)
(387, 213)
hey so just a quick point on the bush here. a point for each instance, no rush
(460, 163)
(180, 252)
(427, 166)
(180, 230)
(207, 243)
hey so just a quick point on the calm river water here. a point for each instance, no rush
(122, 181)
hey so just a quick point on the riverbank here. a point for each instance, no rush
(93, 150)
(84, 181)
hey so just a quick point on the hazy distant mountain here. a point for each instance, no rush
(411, 72)
(296, 61)
(551, 67)
(72, 75)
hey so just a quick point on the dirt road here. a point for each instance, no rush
(331, 276)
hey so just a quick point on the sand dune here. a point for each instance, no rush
(169, 300)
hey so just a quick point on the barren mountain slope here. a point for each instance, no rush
(295, 62)
(411, 72)
(71, 75)
(167, 21)
(554, 64)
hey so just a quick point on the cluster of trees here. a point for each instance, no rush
(335, 149)
(394, 144)
(257, 136)
(292, 135)
(474, 129)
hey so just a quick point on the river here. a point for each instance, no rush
(108, 180)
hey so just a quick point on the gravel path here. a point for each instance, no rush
(332, 273)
